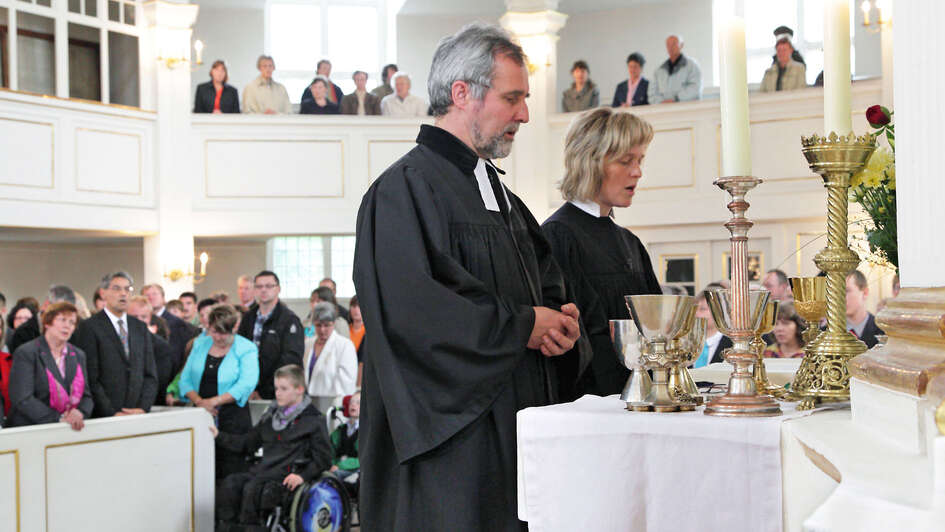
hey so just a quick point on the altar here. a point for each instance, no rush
(592, 465)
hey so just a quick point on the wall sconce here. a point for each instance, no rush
(883, 12)
(173, 55)
(177, 274)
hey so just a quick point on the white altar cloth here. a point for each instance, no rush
(591, 465)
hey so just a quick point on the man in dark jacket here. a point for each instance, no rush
(275, 330)
(294, 439)
(181, 331)
(119, 352)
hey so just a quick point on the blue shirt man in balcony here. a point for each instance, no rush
(679, 79)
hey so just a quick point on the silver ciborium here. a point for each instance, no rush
(742, 398)
(690, 346)
(660, 319)
(629, 345)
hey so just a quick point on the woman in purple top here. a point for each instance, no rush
(48, 382)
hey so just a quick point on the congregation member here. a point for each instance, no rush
(860, 322)
(330, 361)
(173, 395)
(98, 302)
(82, 308)
(21, 313)
(138, 307)
(633, 90)
(782, 32)
(715, 342)
(384, 88)
(244, 291)
(344, 439)
(264, 95)
(217, 96)
(181, 331)
(678, 79)
(188, 301)
(440, 235)
(295, 449)
(49, 380)
(175, 308)
(402, 104)
(601, 261)
(222, 371)
(274, 328)
(3, 305)
(30, 329)
(785, 73)
(335, 94)
(788, 334)
(360, 102)
(323, 294)
(356, 329)
(315, 99)
(583, 93)
(776, 283)
(6, 362)
(119, 352)
(330, 283)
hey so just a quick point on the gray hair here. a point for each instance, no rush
(399, 74)
(324, 311)
(469, 55)
(61, 292)
(265, 57)
(107, 280)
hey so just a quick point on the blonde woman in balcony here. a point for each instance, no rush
(601, 260)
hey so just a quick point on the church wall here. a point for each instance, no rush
(604, 39)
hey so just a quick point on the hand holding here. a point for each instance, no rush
(292, 481)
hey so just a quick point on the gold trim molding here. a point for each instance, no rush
(16, 465)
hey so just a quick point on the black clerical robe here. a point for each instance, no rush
(447, 290)
(602, 262)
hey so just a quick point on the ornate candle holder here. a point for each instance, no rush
(681, 382)
(737, 313)
(742, 398)
(835, 159)
(810, 302)
(660, 319)
(759, 373)
(630, 345)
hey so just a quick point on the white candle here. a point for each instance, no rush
(837, 111)
(736, 144)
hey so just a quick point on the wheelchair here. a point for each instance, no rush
(322, 505)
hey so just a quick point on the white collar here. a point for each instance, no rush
(485, 188)
(590, 207)
(114, 319)
(714, 340)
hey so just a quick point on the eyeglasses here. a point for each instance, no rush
(266, 286)
(125, 289)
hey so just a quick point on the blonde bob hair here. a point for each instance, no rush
(595, 138)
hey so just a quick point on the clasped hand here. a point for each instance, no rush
(74, 418)
(555, 333)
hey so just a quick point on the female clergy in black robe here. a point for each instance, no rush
(446, 288)
(602, 262)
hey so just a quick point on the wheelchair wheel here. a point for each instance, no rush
(321, 506)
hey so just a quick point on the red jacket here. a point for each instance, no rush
(6, 362)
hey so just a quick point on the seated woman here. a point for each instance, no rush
(294, 440)
(221, 371)
(215, 96)
(48, 381)
(789, 343)
(601, 261)
(330, 360)
(344, 440)
(318, 104)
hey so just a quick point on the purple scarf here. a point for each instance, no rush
(59, 399)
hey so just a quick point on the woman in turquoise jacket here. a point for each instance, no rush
(221, 372)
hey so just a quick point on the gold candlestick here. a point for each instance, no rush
(760, 374)
(826, 376)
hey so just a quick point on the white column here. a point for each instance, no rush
(535, 24)
(919, 118)
(172, 248)
(886, 47)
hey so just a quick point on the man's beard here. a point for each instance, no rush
(495, 147)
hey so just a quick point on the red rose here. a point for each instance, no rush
(878, 116)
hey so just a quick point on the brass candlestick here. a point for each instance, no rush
(737, 312)
(835, 159)
(810, 301)
(760, 374)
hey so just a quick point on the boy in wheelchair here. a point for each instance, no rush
(295, 445)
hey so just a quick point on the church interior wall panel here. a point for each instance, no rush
(670, 160)
(286, 168)
(383, 153)
(27, 147)
(9, 490)
(160, 462)
(108, 162)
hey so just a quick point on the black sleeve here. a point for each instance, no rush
(24, 333)
(319, 452)
(86, 404)
(87, 341)
(198, 101)
(293, 343)
(246, 443)
(233, 103)
(617, 102)
(22, 394)
(149, 386)
(652, 283)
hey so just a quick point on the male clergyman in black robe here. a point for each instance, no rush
(458, 287)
